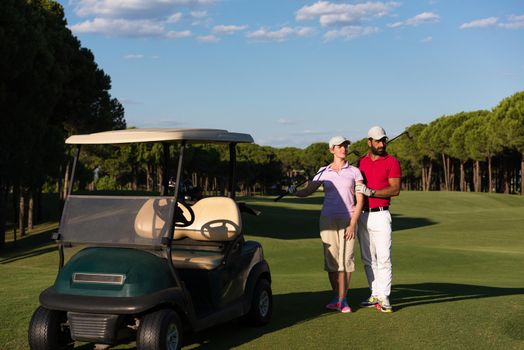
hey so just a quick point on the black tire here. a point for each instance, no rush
(261, 304)
(160, 330)
(47, 330)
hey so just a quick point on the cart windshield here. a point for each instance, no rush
(116, 220)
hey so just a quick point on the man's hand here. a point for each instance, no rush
(291, 189)
(361, 188)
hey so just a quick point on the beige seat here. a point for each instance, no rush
(217, 219)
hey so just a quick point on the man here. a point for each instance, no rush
(382, 175)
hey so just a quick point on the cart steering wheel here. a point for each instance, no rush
(182, 211)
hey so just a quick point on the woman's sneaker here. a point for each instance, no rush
(372, 301)
(344, 307)
(384, 305)
(334, 304)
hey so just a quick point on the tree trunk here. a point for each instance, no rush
(4, 190)
(506, 176)
(423, 179)
(462, 177)
(149, 177)
(21, 213)
(428, 181)
(30, 211)
(490, 176)
(445, 170)
(522, 175)
(451, 176)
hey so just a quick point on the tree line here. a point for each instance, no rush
(478, 151)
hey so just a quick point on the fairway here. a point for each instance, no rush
(458, 279)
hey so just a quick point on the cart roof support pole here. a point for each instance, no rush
(232, 168)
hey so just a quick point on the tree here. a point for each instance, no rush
(50, 86)
(508, 125)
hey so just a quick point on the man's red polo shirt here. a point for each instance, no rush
(376, 174)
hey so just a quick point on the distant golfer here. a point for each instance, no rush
(338, 219)
(382, 176)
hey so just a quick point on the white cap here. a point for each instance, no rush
(377, 133)
(337, 140)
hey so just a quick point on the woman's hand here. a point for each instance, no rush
(350, 232)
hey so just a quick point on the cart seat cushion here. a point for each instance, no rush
(216, 219)
(191, 259)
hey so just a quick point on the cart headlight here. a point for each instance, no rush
(101, 278)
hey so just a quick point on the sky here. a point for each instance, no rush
(292, 72)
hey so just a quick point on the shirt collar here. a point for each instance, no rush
(346, 165)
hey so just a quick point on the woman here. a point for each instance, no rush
(338, 218)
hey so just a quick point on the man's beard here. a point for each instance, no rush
(378, 151)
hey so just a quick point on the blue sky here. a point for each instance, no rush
(293, 72)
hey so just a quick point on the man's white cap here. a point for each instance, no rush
(337, 140)
(377, 133)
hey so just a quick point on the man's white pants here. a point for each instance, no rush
(374, 235)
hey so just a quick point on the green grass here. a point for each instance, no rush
(458, 263)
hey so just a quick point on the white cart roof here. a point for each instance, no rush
(160, 135)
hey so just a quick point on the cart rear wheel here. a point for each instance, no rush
(261, 304)
(47, 330)
(160, 330)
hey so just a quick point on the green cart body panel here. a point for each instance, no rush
(143, 273)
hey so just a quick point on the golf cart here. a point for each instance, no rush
(151, 268)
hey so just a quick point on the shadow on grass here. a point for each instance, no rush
(411, 295)
(28, 246)
(285, 222)
(295, 308)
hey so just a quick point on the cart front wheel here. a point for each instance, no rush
(262, 304)
(160, 330)
(47, 330)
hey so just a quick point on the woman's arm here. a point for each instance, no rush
(310, 188)
(351, 230)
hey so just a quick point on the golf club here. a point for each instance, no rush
(401, 134)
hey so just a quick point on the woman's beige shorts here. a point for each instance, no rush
(338, 253)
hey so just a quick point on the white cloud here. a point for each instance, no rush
(285, 121)
(174, 18)
(227, 29)
(330, 13)
(421, 18)
(480, 23)
(131, 8)
(199, 14)
(282, 34)
(349, 32)
(120, 27)
(427, 40)
(208, 38)
(514, 22)
(178, 35)
(133, 56)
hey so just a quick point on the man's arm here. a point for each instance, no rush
(391, 191)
